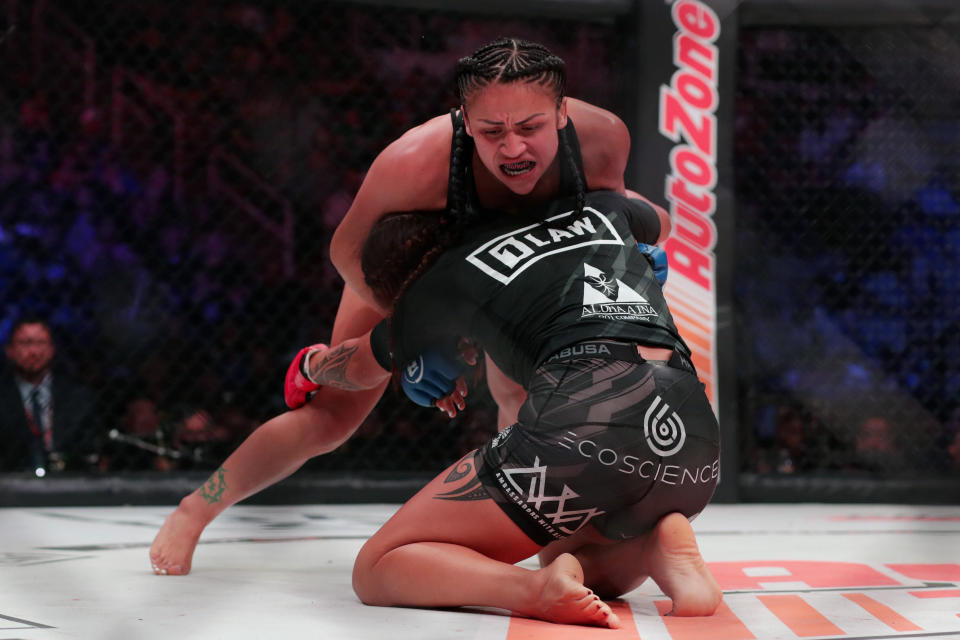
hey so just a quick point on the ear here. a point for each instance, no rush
(562, 114)
(466, 121)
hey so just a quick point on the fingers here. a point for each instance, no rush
(454, 401)
(469, 351)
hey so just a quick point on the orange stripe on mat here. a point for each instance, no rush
(803, 620)
(529, 629)
(936, 593)
(722, 625)
(933, 572)
(882, 612)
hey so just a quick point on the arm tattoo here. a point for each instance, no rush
(331, 369)
(213, 490)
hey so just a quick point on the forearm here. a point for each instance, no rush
(345, 259)
(349, 366)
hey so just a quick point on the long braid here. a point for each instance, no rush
(571, 161)
(457, 196)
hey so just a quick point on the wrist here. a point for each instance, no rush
(305, 366)
(305, 363)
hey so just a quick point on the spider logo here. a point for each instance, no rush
(601, 282)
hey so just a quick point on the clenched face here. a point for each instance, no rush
(31, 350)
(514, 129)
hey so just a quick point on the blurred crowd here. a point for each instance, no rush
(166, 299)
(848, 214)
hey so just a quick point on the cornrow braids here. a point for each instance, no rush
(510, 60)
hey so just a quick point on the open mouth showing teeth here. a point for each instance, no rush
(518, 168)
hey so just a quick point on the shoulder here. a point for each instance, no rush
(604, 144)
(638, 215)
(416, 165)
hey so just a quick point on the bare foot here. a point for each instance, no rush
(172, 550)
(678, 568)
(564, 599)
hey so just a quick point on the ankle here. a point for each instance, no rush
(197, 510)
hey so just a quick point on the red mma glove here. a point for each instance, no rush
(298, 388)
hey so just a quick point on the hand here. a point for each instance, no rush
(297, 387)
(430, 377)
(454, 401)
(658, 260)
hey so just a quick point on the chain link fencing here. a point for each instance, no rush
(848, 250)
(171, 176)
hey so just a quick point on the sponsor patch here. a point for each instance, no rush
(507, 256)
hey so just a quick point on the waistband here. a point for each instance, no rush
(625, 350)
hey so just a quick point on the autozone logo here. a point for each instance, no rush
(687, 116)
(507, 256)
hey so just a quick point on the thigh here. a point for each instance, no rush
(454, 508)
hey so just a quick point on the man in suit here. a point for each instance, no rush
(46, 417)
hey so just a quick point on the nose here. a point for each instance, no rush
(513, 145)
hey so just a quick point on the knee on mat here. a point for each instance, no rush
(364, 579)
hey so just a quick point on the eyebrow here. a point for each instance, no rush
(525, 120)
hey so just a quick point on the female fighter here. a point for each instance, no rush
(511, 145)
(616, 445)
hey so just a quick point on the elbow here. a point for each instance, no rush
(666, 225)
(338, 250)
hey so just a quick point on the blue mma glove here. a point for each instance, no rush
(658, 260)
(431, 376)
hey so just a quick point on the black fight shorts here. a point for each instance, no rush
(609, 442)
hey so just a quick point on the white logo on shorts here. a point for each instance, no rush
(665, 435)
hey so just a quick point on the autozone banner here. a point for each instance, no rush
(680, 162)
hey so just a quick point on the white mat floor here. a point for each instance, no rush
(788, 571)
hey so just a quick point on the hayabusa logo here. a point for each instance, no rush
(500, 437)
(665, 433)
(413, 371)
(506, 256)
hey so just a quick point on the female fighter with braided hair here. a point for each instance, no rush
(509, 146)
(615, 447)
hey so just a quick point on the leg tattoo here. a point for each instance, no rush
(470, 489)
(212, 490)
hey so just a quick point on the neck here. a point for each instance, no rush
(493, 194)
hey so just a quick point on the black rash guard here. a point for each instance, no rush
(525, 288)
(559, 302)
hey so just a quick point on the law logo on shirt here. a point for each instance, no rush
(507, 256)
